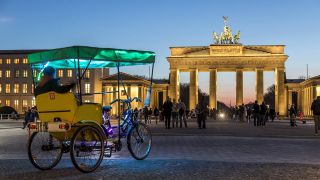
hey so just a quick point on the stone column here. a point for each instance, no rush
(174, 87)
(290, 99)
(239, 87)
(280, 99)
(213, 88)
(259, 85)
(193, 89)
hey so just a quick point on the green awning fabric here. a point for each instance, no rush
(100, 57)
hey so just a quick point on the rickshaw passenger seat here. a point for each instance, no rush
(52, 105)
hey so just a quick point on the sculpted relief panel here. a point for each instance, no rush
(226, 63)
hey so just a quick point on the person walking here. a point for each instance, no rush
(201, 114)
(256, 111)
(156, 114)
(150, 115)
(145, 114)
(182, 113)
(315, 108)
(26, 118)
(249, 114)
(174, 113)
(167, 109)
(293, 114)
(263, 112)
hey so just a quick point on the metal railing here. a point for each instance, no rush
(9, 116)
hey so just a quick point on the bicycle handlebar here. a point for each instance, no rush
(126, 100)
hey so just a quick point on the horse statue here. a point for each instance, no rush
(237, 38)
(216, 38)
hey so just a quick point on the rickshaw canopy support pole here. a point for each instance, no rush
(119, 111)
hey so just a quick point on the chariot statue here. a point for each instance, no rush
(226, 37)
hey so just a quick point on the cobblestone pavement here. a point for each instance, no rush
(225, 150)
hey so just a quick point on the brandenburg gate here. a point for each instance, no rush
(227, 55)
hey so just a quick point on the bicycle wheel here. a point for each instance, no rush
(139, 141)
(87, 149)
(44, 151)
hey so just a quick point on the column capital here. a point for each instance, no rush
(280, 68)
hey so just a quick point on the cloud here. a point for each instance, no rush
(6, 19)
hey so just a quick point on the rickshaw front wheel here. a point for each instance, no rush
(44, 150)
(139, 141)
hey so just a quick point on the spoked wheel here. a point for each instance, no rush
(44, 151)
(87, 149)
(139, 141)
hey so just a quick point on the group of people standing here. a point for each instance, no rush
(175, 111)
(259, 112)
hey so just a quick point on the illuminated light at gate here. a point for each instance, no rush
(318, 90)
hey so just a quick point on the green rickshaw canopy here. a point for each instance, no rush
(100, 57)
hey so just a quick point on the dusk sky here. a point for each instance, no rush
(159, 24)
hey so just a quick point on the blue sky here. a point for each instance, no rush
(159, 24)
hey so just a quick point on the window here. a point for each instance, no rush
(34, 73)
(69, 73)
(0, 103)
(16, 73)
(16, 61)
(0, 88)
(0, 61)
(86, 88)
(16, 88)
(32, 89)
(24, 104)
(60, 73)
(7, 102)
(87, 74)
(7, 88)
(25, 73)
(8, 61)
(8, 73)
(0, 73)
(33, 103)
(25, 61)
(16, 104)
(25, 88)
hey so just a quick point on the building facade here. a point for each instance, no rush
(302, 92)
(16, 84)
(134, 87)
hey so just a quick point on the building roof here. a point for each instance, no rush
(3, 52)
(124, 77)
(294, 80)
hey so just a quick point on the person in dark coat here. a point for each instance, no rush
(49, 83)
(263, 112)
(256, 111)
(167, 109)
(156, 114)
(293, 114)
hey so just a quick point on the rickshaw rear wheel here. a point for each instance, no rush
(139, 141)
(87, 144)
(44, 150)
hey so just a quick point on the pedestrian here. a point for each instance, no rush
(156, 114)
(293, 114)
(182, 113)
(174, 113)
(150, 114)
(214, 113)
(315, 107)
(26, 118)
(272, 114)
(145, 114)
(167, 109)
(256, 111)
(249, 114)
(201, 114)
(263, 112)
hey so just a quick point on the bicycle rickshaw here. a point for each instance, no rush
(66, 124)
